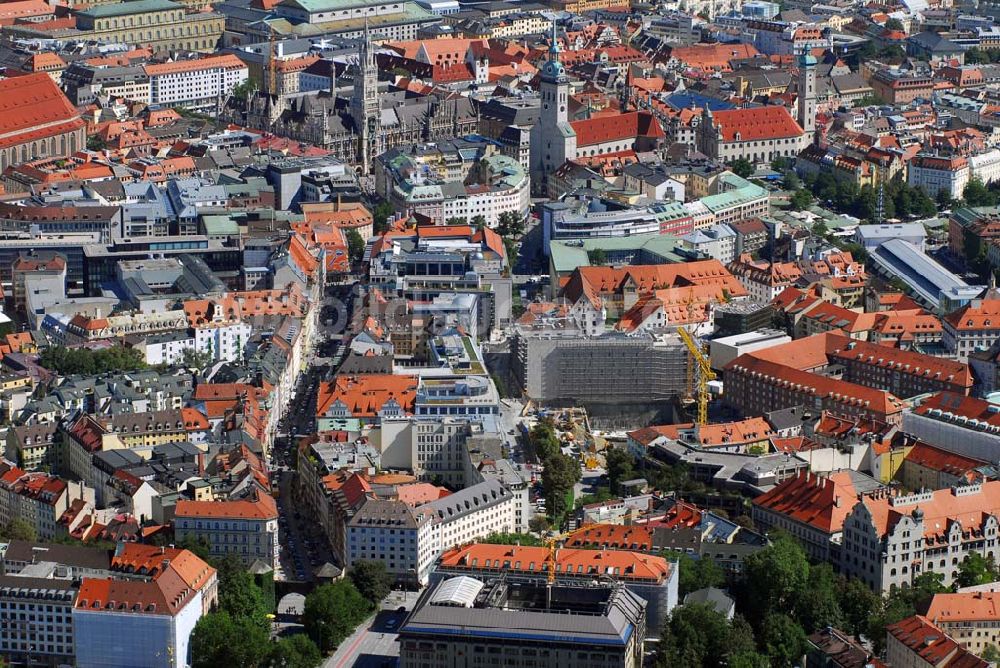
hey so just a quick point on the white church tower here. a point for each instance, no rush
(807, 97)
(553, 140)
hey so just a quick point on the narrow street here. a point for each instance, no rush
(303, 549)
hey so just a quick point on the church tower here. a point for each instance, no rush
(807, 97)
(553, 140)
(364, 102)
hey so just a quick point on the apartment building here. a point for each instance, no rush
(247, 528)
(409, 539)
(473, 512)
(195, 83)
(37, 614)
(916, 642)
(155, 603)
(39, 499)
(935, 174)
(970, 618)
(793, 374)
(888, 540)
(972, 328)
(399, 536)
(813, 508)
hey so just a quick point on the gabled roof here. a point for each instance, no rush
(755, 124)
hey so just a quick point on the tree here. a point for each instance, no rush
(380, 217)
(817, 605)
(791, 181)
(694, 636)
(525, 539)
(597, 257)
(372, 579)
(479, 221)
(193, 358)
(355, 245)
(774, 576)
(741, 167)
(857, 602)
(620, 465)
(457, 220)
(820, 229)
(783, 639)
(991, 653)
(560, 474)
(543, 439)
(976, 57)
(296, 651)
(199, 547)
(19, 529)
(698, 635)
(510, 224)
(976, 194)
(975, 570)
(239, 595)
(332, 612)
(894, 24)
(800, 199)
(96, 143)
(70, 361)
(220, 640)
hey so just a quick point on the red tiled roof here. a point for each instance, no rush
(932, 645)
(821, 502)
(30, 102)
(756, 124)
(611, 537)
(263, 508)
(582, 563)
(630, 125)
(931, 457)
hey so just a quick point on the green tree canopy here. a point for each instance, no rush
(597, 257)
(192, 358)
(694, 574)
(975, 570)
(525, 539)
(698, 636)
(741, 167)
(296, 651)
(621, 467)
(84, 361)
(784, 640)
(355, 245)
(510, 225)
(775, 576)
(560, 474)
(380, 217)
(372, 579)
(19, 529)
(332, 612)
(220, 640)
(801, 199)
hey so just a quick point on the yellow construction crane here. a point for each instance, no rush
(705, 373)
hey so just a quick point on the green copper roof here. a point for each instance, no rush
(132, 7)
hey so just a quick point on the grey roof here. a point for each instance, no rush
(928, 278)
(69, 555)
(713, 596)
(613, 628)
(479, 496)
(387, 513)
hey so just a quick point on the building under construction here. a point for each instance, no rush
(566, 367)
